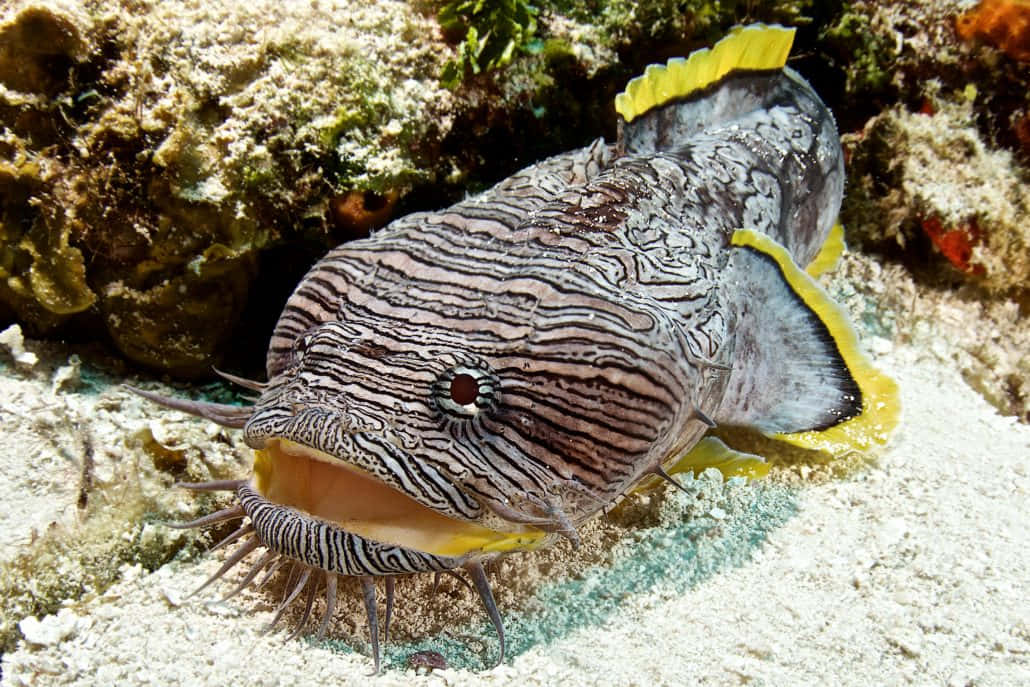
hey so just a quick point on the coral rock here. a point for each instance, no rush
(913, 175)
(356, 213)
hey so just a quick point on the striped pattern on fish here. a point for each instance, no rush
(316, 544)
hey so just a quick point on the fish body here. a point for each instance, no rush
(488, 377)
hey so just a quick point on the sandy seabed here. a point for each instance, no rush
(910, 571)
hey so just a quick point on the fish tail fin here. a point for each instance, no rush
(670, 102)
(737, 109)
(799, 374)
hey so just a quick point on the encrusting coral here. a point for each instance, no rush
(937, 127)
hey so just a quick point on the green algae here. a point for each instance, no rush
(866, 56)
(491, 31)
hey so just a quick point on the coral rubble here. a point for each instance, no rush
(88, 470)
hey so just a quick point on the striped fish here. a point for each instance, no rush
(488, 377)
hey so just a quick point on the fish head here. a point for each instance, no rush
(516, 405)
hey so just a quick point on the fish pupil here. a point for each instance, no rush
(464, 389)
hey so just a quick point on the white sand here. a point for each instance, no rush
(913, 571)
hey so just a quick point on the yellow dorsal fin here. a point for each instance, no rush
(754, 47)
(829, 254)
(881, 407)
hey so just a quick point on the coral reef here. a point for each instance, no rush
(916, 176)
(887, 52)
(150, 154)
(162, 177)
(634, 26)
(938, 169)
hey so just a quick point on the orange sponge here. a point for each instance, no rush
(1004, 24)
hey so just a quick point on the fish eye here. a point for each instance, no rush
(464, 391)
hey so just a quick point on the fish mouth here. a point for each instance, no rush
(328, 489)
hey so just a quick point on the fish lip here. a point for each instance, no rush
(256, 443)
(342, 494)
(414, 561)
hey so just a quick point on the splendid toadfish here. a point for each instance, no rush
(486, 378)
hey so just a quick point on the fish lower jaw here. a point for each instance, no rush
(327, 489)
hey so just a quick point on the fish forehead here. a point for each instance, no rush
(382, 356)
(397, 283)
(549, 314)
(553, 313)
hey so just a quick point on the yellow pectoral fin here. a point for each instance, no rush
(711, 452)
(881, 407)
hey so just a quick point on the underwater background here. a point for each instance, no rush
(169, 170)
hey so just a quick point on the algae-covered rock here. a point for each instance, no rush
(928, 189)
(152, 151)
(39, 46)
(929, 178)
(887, 52)
(161, 326)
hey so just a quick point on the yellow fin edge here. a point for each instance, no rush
(829, 255)
(754, 47)
(711, 452)
(881, 406)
